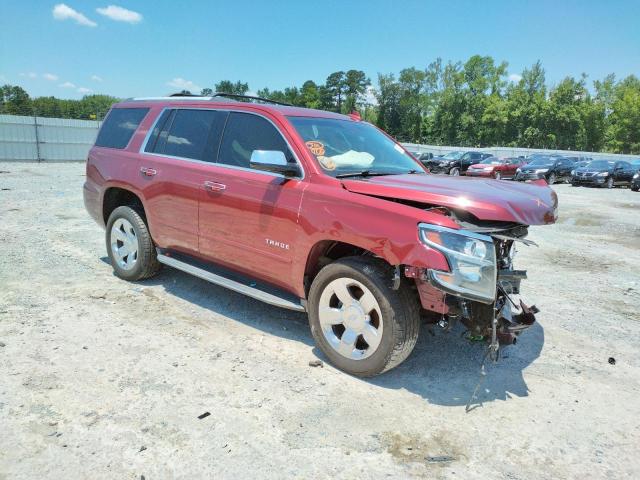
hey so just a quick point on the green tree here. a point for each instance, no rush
(227, 86)
(336, 87)
(14, 100)
(355, 86)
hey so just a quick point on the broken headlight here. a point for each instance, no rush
(471, 257)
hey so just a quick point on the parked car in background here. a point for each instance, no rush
(494, 167)
(635, 182)
(579, 160)
(435, 164)
(423, 157)
(551, 168)
(604, 173)
(455, 164)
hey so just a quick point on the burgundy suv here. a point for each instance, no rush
(316, 212)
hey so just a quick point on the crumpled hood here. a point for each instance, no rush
(497, 200)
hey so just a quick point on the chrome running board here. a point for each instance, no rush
(266, 297)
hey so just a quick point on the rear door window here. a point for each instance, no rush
(119, 127)
(245, 133)
(191, 134)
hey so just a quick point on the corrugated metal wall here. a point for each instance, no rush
(24, 138)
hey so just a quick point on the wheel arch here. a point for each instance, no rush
(116, 196)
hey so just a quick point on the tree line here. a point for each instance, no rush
(469, 104)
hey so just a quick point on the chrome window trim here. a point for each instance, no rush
(216, 163)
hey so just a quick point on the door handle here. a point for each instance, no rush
(215, 186)
(149, 172)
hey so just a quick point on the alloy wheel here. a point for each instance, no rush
(350, 318)
(124, 244)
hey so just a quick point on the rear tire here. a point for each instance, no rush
(129, 245)
(371, 313)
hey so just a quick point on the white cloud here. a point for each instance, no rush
(67, 85)
(29, 75)
(64, 12)
(514, 77)
(182, 84)
(120, 14)
(50, 76)
(84, 90)
(96, 78)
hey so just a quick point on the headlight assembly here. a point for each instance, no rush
(471, 258)
(542, 170)
(573, 172)
(637, 175)
(602, 174)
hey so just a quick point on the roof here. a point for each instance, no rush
(221, 102)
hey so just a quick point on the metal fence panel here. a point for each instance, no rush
(45, 139)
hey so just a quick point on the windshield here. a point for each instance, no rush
(453, 155)
(600, 164)
(541, 161)
(492, 161)
(343, 147)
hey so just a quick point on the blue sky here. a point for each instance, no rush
(145, 47)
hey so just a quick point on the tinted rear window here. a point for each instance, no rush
(188, 134)
(119, 127)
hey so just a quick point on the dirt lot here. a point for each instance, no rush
(100, 378)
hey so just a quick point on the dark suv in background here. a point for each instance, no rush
(604, 173)
(455, 163)
(550, 168)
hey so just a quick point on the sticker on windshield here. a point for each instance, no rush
(327, 163)
(316, 148)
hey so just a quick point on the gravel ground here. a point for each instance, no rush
(100, 378)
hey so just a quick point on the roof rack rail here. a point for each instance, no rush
(185, 94)
(250, 97)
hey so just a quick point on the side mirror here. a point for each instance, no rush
(273, 161)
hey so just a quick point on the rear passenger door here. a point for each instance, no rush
(181, 146)
(249, 218)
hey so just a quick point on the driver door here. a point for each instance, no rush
(248, 218)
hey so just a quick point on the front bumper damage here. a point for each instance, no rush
(498, 319)
(508, 314)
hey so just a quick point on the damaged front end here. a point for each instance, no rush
(481, 289)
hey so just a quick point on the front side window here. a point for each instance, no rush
(119, 127)
(245, 133)
(344, 147)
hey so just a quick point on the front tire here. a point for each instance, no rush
(497, 176)
(552, 179)
(360, 323)
(454, 172)
(129, 245)
(609, 183)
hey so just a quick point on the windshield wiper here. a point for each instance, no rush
(364, 173)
